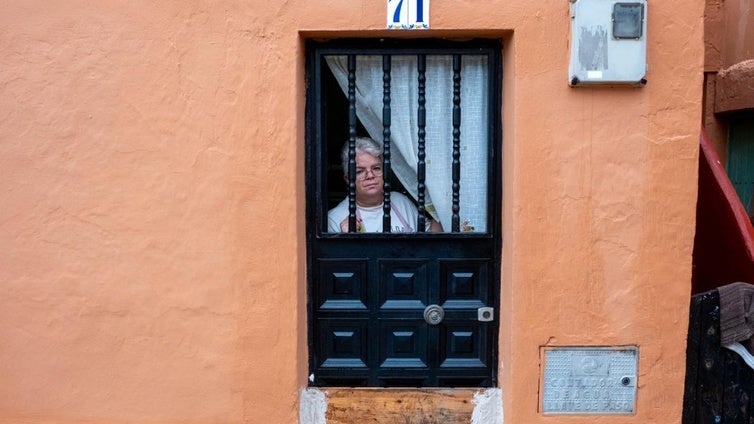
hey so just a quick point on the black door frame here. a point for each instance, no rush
(316, 178)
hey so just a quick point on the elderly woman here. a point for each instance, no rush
(369, 196)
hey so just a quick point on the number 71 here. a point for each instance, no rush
(407, 14)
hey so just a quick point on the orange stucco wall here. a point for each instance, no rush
(737, 32)
(729, 33)
(152, 248)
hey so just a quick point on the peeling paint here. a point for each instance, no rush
(593, 48)
(489, 407)
(312, 407)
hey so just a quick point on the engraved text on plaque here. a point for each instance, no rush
(589, 380)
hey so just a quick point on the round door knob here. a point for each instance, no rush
(434, 314)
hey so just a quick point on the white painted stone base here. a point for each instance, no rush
(312, 407)
(488, 407)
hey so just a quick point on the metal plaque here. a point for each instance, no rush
(589, 380)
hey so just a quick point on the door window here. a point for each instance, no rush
(437, 110)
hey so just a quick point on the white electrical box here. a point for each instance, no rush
(608, 42)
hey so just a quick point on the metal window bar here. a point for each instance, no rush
(386, 145)
(351, 143)
(421, 67)
(386, 165)
(455, 219)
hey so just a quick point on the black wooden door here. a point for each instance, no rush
(369, 307)
(408, 310)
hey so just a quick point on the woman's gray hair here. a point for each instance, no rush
(363, 145)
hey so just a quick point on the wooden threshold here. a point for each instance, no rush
(399, 406)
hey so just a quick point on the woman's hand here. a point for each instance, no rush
(344, 225)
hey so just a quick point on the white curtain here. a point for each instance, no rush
(439, 127)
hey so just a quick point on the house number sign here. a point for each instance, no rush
(408, 14)
(589, 380)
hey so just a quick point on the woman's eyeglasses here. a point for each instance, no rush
(361, 173)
